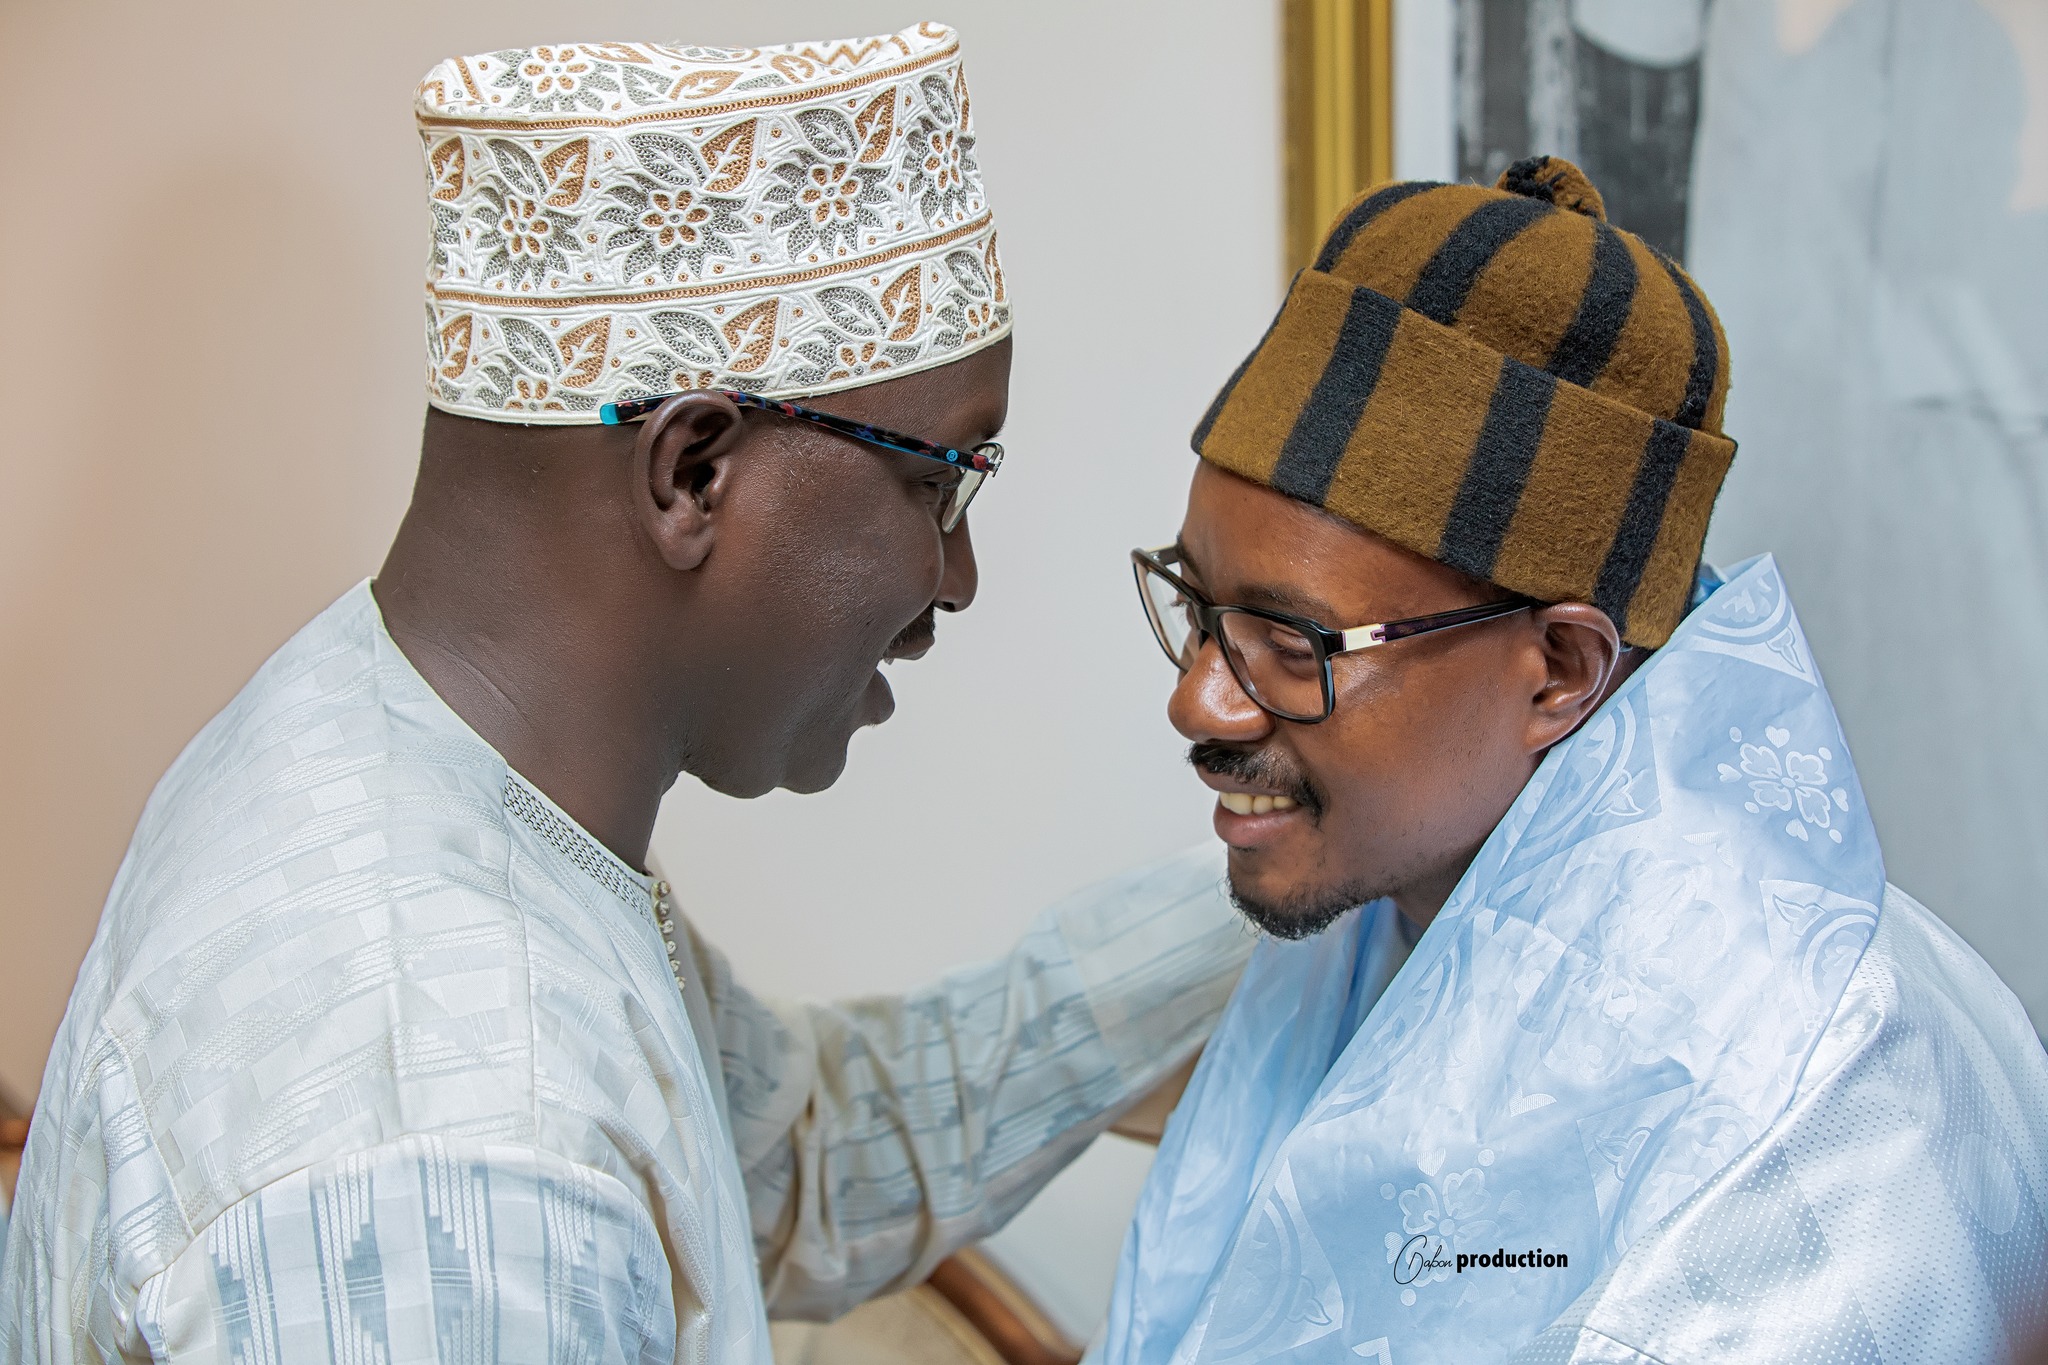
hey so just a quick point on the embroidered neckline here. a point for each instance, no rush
(598, 863)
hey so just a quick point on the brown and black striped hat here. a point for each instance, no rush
(1499, 380)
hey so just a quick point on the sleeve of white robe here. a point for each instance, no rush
(878, 1135)
(426, 1249)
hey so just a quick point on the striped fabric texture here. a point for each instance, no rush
(1496, 379)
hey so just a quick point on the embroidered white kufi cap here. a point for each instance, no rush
(614, 220)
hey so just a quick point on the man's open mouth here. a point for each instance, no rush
(915, 640)
(1254, 781)
(1253, 803)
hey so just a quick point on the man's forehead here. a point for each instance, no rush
(1259, 547)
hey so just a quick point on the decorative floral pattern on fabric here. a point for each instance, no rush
(785, 220)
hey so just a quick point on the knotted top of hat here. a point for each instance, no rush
(614, 220)
(1498, 379)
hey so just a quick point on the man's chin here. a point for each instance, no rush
(805, 774)
(812, 781)
(813, 771)
(1291, 912)
(824, 762)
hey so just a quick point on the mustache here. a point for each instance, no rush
(1269, 768)
(919, 634)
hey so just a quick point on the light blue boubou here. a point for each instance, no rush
(1617, 1000)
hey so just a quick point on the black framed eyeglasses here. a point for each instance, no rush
(974, 464)
(1281, 661)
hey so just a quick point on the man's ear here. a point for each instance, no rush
(1580, 650)
(683, 467)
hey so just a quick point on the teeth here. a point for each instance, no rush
(1245, 803)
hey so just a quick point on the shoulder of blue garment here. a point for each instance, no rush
(1893, 1211)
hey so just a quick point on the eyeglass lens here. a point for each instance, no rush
(956, 501)
(1278, 666)
(1173, 618)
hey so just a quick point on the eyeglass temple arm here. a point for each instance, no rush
(1380, 633)
(633, 409)
(985, 458)
(630, 410)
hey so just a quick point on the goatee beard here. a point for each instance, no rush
(1299, 917)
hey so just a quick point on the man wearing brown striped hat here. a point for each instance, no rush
(1587, 1027)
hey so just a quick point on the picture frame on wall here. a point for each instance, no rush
(1611, 85)
(1337, 93)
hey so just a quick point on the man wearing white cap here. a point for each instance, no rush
(388, 1048)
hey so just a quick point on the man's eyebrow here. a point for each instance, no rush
(1290, 600)
(1277, 597)
(990, 430)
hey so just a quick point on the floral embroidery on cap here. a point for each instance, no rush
(782, 220)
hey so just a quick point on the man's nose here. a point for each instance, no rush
(1209, 704)
(960, 577)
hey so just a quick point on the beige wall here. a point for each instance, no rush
(206, 375)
